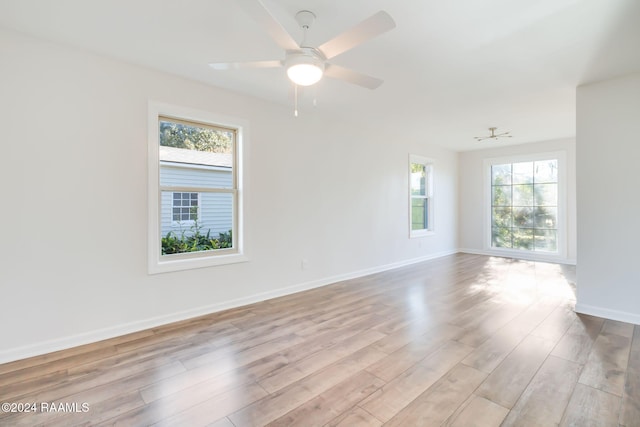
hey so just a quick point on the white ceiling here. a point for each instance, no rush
(451, 68)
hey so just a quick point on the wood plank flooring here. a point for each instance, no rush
(461, 341)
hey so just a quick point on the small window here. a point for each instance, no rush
(420, 196)
(195, 199)
(185, 207)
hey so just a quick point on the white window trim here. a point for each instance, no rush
(561, 156)
(162, 264)
(428, 162)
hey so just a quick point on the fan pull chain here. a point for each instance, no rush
(295, 105)
(315, 95)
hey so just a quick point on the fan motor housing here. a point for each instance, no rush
(306, 55)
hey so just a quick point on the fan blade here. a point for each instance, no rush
(239, 65)
(371, 27)
(341, 73)
(257, 10)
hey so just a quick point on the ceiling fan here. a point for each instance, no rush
(306, 65)
(493, 135)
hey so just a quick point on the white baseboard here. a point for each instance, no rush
(67, 342)
(525, 256)
(621, 316)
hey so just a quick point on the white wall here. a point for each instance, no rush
(74, 200)
(471, 197)
(608, 155)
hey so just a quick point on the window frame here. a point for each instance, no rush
(158, 263)
(428, 196)
(561, 252)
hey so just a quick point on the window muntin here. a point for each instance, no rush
(420, 196)
(524, 205)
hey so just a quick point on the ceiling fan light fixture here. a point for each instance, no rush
(305, 74)
(305, 69)
(493, 135)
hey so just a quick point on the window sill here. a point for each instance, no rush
(187, 263)
(527, 255)
(421, 233)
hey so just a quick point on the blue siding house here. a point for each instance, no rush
(185, 170)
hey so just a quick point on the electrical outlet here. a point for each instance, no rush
(304, 264)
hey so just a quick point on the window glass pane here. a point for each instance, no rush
(546, 217)
(501, 237)
(523, 195)
(546, 194)
(197, 228)
(523, 238)
(522, 217)
(546, 240)
(502, 217)
(419, 210)
(501, 195)
(418, 179)
(208, 148)
(546, 171)
(501, 174)
(195, 137)
(523, 173)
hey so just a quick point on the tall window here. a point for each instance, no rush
(420, 196)
(194, 185)
(524, 205)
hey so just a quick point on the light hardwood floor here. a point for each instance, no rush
(462, 341)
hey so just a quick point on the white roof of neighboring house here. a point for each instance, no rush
(180, 155)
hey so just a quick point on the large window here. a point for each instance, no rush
(194, 189)
(420, 196)
(526, 207)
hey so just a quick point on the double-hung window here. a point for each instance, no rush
(420, 196)
(194, 189)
